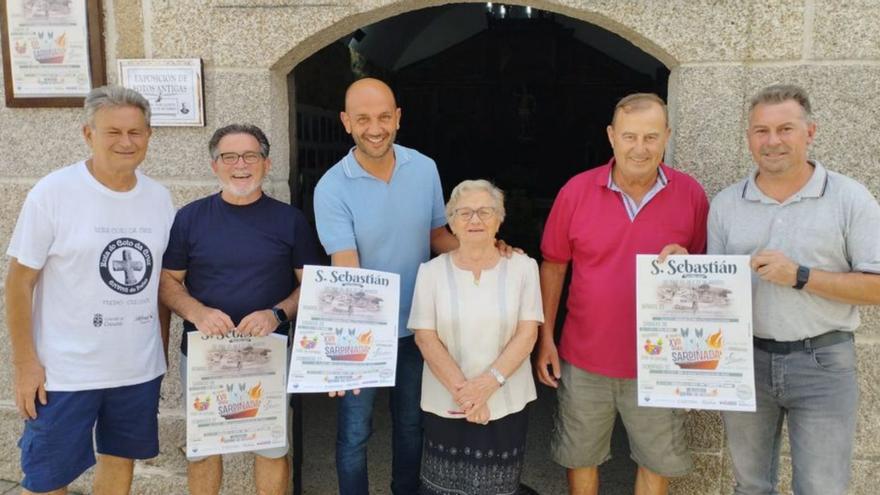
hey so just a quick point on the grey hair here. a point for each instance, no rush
(113, 96)
(638, 102)
(249, 129)
(476, 185)
(780, 93)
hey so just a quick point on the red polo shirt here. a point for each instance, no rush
(589, 227)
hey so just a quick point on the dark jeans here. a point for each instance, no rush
(354, 426)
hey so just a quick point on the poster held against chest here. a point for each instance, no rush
(346, 330)
(235, 397)
(694, 340)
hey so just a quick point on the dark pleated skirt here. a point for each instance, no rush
(462, 458)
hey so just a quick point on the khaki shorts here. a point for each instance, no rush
(588, 404)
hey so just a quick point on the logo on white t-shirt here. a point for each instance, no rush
(126, 265)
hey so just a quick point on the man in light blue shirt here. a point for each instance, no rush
(381, 207)
(367, 222)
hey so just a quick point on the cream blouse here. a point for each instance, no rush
(475, 321)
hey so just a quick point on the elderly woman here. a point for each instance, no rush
(475, 315)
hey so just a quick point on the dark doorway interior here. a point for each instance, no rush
(520, 97)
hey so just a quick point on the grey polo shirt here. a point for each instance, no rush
(831, 224)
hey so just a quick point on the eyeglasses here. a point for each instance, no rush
(483, 213)
(249, 157)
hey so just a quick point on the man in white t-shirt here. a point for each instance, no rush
(82, 306)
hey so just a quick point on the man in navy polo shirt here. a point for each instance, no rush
(233, 262)
(381, 207)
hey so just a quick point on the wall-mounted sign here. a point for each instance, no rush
(52, 51)
(174, 87)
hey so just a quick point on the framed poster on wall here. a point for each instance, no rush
(53, 52)
(174, 87)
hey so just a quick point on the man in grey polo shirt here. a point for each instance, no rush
(814, 237)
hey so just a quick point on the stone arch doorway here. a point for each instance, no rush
(511, 93)
(514, 94)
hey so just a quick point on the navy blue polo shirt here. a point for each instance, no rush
(239, 259)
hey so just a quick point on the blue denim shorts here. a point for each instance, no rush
(58, 446)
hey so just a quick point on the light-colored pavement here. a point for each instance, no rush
(541, 474)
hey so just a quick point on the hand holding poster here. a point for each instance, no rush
(346, 330)
(235, 398)
(694, 340)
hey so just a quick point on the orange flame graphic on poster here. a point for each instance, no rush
(256, 391)
(715, 341)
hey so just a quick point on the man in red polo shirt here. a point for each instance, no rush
(600, 220)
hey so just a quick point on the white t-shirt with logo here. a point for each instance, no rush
(95, 316)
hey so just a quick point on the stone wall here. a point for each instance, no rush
(719, 52)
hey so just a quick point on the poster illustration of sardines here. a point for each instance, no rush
(235, 393)
(346, 330)
(694, 341)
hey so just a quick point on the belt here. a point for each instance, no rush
(826, 339)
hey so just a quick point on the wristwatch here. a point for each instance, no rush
(280, 315)
(498, 376)
(803, 276)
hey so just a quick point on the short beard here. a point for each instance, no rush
(238, 193)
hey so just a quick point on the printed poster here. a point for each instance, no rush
(235, 393)
(346, 330)
(694, 316)
(48, 48)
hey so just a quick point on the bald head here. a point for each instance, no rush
(368, 90)
(372, 118)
